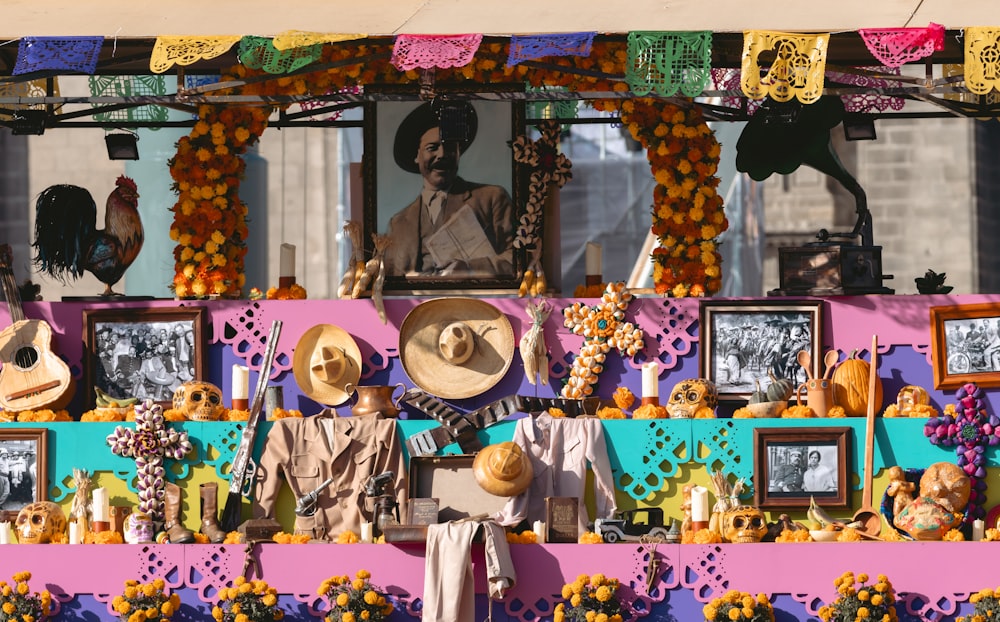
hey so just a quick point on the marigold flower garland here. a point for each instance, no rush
(19, 604)
(687, 209)
(210, 220)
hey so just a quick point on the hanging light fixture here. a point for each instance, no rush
(28, 122)
(122, 145)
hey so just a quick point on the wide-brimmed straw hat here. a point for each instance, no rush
(325, 361)
(456, 347)
(503, 469)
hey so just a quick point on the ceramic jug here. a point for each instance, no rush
(375, 398)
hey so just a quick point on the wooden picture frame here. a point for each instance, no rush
(742, 341)
(484, 202)
(24, 466)
(168, 342)
(779, 482)
(965, 345)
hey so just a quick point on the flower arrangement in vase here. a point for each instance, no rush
(591, 599)
(19, 604)
(145, 601)
(986, 606)
(860, 601)
(354, 601)
(737, 606)
(247, 601)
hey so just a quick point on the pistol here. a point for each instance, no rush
(306, 504)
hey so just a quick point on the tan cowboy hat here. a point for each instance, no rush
(503, 469)
(456, 347)
(326, 360)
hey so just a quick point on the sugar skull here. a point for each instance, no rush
(909, 397)
(744, 524)
(40, 523)
(693, 398)
(199, 401)
(138, 528)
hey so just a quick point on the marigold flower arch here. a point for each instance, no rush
(210, 220)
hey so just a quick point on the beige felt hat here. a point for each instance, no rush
(456, 347)
(325, 361)
(503, 469)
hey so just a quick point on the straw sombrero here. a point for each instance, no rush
(456, 347)
(325, 361)
(503, 469)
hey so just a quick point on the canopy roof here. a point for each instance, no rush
(131, 29)
(131, 19)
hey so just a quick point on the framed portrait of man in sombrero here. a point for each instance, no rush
(442, 184)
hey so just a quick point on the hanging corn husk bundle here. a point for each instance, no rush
(534, 354)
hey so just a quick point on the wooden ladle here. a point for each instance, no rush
(867, 515)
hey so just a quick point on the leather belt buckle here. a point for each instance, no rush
(421, 444)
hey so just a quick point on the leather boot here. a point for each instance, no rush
(209, 514)
(172, 524)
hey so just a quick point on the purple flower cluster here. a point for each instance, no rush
(970, 430)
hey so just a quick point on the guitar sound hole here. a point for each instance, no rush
(25, 358)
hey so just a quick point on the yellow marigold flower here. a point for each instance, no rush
(734, 614)
(217, 613)
(863, 613)
(343, 599)
(22, 588)
(575, 600)
(603, 594)
(242, 617)
(358, 584)
(8, 607)
(348, 617)
(567, 591)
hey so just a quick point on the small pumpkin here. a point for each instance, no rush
(850, 386)
(758, 396)
(780, 389)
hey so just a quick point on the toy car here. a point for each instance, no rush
(631, 525)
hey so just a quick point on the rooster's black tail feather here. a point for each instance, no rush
(65, 221)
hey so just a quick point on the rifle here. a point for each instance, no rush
(242, 473)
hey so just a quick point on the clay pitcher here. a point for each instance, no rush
(819, 395)
(375, 398)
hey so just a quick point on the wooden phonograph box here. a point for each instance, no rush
(830, 269)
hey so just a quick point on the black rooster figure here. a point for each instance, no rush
(782, 136)
(67, 241)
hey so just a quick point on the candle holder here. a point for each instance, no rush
(593, 279)
(98, 526)
(652, 400)
(698, 525)
(286, 281)
(241, 403)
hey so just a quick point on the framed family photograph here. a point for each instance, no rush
(23, 469)
(792, 465)
(441, 183)
(143, 353)
(744, 344)
(965, 345)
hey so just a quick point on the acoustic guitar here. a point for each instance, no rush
(32, 376)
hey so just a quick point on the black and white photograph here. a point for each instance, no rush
(22, 469)
(793, 465)
(145, 354)
(966, 345)
(443, 189)
(745, 347)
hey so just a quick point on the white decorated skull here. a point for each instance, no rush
(138, 528)
(691, 395)
(199, 401)
(40, 523)
(744, 524)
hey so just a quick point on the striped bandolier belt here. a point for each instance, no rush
(462, 428)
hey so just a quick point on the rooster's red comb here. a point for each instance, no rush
(126, 182)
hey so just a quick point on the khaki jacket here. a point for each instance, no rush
(305, 452)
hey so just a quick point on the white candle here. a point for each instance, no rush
(366, 532)
(4, 533)
(978, 530)
(74, 533)
(699, 503)
(286, 264)
(539, 528)
(241, 382)
(650, 379)
(593, 258)
(100, 502)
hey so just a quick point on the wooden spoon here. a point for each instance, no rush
(867, 515)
